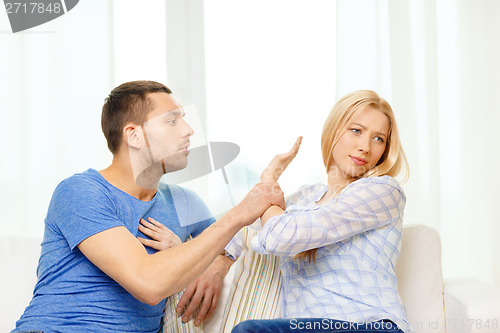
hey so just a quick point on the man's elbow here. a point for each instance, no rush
(153, 300)
(149, 296)
(148, 292)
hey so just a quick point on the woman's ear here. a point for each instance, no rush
(133, 135)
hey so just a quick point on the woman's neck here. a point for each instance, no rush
(336, 183)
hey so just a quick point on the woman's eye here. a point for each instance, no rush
(355, 130)
(379, 139)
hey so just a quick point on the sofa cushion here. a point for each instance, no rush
(172, 322)
(420, 278)
(256, 289)
(19, 258)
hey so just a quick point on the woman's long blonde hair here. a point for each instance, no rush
(393, 159)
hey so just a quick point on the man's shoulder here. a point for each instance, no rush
(87, 177)
(83, 184)
(76, 201)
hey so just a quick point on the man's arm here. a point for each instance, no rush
(151, 278)
(203, 293)
(205, 290)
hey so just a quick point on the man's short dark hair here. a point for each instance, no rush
(127, 103)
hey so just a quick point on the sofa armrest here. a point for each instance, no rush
(471, 306)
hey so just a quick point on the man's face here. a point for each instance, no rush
(166, 133)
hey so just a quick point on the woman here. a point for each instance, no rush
(338, 243)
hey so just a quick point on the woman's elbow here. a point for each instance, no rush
(276, 249)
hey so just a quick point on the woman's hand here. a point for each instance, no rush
(162, 237)
(279, 163)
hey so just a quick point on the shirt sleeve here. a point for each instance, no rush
(365, 204)
(235, 246)
(81, 208)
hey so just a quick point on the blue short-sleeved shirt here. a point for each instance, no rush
(72, 294)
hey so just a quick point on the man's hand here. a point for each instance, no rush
(204, 290)
(258, 200)
(279, 163)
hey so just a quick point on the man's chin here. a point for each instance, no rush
(173, 167)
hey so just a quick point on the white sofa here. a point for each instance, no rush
(454, 306)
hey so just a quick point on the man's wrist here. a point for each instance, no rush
(238, 217)
(225, 263)
(229, 255)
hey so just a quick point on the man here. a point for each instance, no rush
(94, 274)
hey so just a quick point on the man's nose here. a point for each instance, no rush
(188, 131)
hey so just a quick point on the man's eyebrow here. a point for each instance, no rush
(170, 114)
(364, 127)
(175, 112)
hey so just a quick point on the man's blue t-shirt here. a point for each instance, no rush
(72, 294)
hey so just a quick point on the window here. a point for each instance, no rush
(270, 77)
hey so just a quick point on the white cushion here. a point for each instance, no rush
(19, 259)
(471, 306)
(420, 278)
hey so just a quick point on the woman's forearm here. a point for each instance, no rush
(270, 212)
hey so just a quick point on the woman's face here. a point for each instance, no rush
(361, 145)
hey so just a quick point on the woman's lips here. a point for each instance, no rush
(358, 160)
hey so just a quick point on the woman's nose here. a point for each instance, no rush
(364, 144)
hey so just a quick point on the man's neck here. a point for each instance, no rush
(121, 176)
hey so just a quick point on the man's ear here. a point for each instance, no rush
(133, 136)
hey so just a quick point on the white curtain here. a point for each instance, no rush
(270, 73)
(53, 80)
(437, 64)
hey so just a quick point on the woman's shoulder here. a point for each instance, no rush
(378, 183)
(305, 192)
(310, 188)
(391, 181)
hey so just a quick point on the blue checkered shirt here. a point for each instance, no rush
(358, 236)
